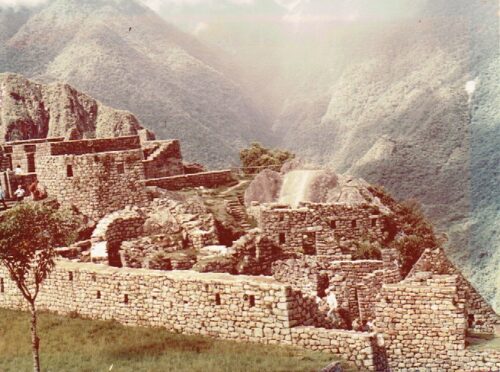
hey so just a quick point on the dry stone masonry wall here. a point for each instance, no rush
(300, 229)
(231, 307)
(204, 179)
(424, 325)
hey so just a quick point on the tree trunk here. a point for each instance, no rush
(35, 341)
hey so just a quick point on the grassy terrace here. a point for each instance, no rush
(74, 344)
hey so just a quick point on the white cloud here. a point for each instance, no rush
(18, 3)
(157, 4)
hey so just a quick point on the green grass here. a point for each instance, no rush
(74, 344)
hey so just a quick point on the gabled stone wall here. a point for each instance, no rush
(480, 315)
(422, 322)
(163, 159)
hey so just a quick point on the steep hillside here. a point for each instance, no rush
(125, 55)
(400, 116)
(378, 89)
(30, 110)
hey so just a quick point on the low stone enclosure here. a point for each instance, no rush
(99, 176)
(421, 323)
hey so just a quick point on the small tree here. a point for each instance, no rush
(256, 157)
(28, 234)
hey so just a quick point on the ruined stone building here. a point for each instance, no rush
(292, 279)
(99, 176)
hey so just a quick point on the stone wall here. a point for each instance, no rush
(299, 230)
(111, 231)
(96, 184)
(254, 254)
(240, 308)
(352, 274)
(480, 315)
(206, 179)
(423, 320)
(356, 347)
(163, 159)
(91, 146)
(302, 274)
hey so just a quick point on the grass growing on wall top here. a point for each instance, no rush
(74, 344)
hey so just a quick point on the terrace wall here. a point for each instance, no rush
(206, 179)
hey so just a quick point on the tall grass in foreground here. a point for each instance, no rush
(74, 344)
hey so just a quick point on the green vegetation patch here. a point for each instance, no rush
(74, 344)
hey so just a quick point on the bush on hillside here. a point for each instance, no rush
(256, 157)
(410, 232)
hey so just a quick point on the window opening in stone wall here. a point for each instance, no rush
(70, 276)
(251, 300)
(217, 299)
(470, 320)
(125, 299)
(96, 158)
(120, 168)
(322, 285)
(333, 224)
(374, 222)
(98, 295)
(69, 170)
(309, 243)
(94, 278)
(31, 163)
(2, 288)
(282, 238)
(281, 217)
(354, 224)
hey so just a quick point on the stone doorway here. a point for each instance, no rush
(309, 243)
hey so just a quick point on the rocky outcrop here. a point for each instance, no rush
(30, 110)
(323, 186)
(264, 188)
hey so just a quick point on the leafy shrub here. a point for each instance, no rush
(256, 157)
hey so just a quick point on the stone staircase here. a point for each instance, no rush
(158, 151)
(236, 209)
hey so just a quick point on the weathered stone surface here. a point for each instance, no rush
(264, 188)
(31, 110)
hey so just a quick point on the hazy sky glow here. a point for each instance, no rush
(16, 3)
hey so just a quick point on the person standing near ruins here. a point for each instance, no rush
(19, 193)
(18, 170)
(34, 191)
(2, 197)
